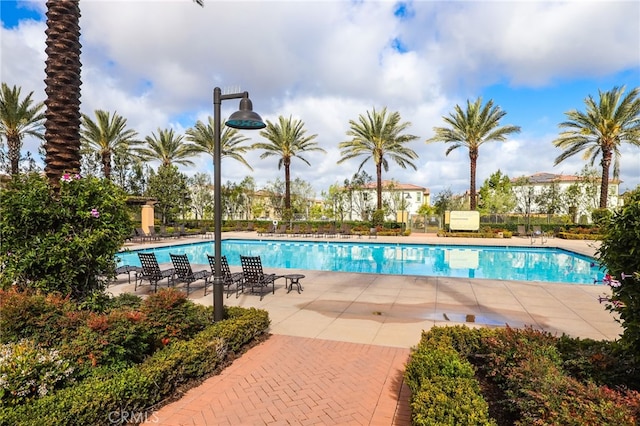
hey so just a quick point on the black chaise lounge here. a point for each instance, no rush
(184, 273)
(228, 278)
(151, 271)
(254, 276)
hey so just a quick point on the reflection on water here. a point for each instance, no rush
(505, 263)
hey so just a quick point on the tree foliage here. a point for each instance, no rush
(471, 129)
(105, 136)
(18, 118)
(358, 197)
(231, 141)
(169, 187)
(65, 243)
(599, 132)
(335, 202)
(620, 254)
(496, 195)
(201, 195)
(287, 139)
(379, 136)
(168, 148)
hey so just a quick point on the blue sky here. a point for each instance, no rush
(326, 62)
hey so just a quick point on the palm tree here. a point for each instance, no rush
(62, 86)
(286, 139)
(202, 136)
(471, 128)
(600, 130)
(17, 119)
(106, 136)
(378, 136)
(167, 147)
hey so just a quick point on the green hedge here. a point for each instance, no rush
(99, 399)
(443, 388)
(570, 236)
(536, 377)
(505, 234)
(527, 365)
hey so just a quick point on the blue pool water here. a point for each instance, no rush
(503, 263)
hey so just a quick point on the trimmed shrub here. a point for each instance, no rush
(61, 242)
(603, 362)
(449, 401)
(620, 254)
(444, 390)
(101, 398)
(527, 366)
(28, 371)
(27, 315)
(170, 315)
(524, 372)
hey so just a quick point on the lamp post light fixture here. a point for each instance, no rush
(404, 204)
(244, 118)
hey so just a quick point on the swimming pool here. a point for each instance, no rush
(502, 263)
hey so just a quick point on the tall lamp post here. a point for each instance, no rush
(244, 118)
(405, 211)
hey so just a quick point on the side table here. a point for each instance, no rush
(292, 279)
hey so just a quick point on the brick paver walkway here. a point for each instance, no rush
(289, 380)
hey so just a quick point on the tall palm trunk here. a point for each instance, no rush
(287, 184)
(62, 124)
(473, 157)
(604, 182)
(379, 185)
(106, 164)
(14, 144)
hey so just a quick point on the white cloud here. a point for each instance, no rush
(327, 62)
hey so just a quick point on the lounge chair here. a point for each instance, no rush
(207, 233)
(270, 230)
(142, 236)
(164, 233)
(128, 269)
(319, 233)
(179, 231)
(254, 276)
(281, 231)
(185, 274)
(131, 237)
(228, 278)
(152, 234)
(151, 271)
(522, 231)
(306, 231)
(345, 231)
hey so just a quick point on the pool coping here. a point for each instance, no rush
(586, 248)
(393, 310)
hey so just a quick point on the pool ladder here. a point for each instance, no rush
(542, 235)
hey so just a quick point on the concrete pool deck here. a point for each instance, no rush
(338, 349)
(392, 310)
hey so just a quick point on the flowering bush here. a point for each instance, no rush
(44, 319)
(28, 371)
(116, 339)
(620, 254)
(171, 316)
(64, 241)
